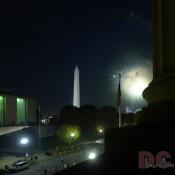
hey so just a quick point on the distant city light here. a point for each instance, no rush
(44, 121)
(50, 117)
(24, 141)
(92, 155)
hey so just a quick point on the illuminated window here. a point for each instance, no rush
(1, 110)
(21, 111)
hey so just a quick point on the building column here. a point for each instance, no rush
(160, 93)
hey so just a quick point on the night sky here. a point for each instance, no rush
(43, 41)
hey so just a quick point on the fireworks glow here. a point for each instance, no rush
(135, 81)
(136, 74)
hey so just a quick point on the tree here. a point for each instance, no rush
(107, 116)
(68, 115)
(68, 133)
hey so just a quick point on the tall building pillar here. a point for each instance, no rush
(160, 93)
(156, 125)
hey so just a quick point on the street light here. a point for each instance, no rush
(100, 130)
(72, 134)
(92, 155)
(24, 141)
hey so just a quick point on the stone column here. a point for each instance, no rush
(160, 94)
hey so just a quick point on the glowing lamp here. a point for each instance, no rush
(24, 141)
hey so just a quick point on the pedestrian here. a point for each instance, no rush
(54, 153)
(55, 169)
(45, 171)
(62, 160)
(27, 155)
(36, 158)
(37, 172)
(31, 159)
(6, 168)
(56, 149)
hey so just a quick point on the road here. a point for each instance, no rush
(54, 163)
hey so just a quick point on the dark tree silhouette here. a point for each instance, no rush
(89, 117)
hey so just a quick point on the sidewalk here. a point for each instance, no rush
(9, 159)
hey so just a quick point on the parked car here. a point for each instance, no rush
(100, 141)
(19, 166)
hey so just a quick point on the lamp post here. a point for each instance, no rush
(72, 135)
(24, 141)
(118, 99)
(39, 127)
(100, 132)
(114, 85)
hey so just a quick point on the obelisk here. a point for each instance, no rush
(76, 94)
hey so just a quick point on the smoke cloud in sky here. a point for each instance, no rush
(136, 76)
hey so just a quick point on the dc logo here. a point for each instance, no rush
(148, 160)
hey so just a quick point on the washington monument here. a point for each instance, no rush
(76, 95)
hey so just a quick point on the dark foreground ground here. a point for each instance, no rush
(122, 150)
(108, 164)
